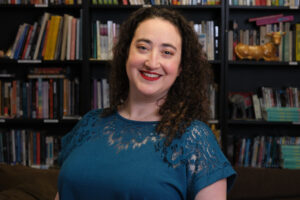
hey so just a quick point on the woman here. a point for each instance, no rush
(151, 143)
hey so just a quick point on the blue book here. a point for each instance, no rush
(21, 42)
(247, 152)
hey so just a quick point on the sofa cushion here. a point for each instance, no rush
(20, 182)
(266, 183)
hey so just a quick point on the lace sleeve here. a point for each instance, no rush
(77, 135)
(206, 163)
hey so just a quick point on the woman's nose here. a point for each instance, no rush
(153, 60)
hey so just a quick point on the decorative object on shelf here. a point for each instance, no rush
(257, 52)
(241, 105)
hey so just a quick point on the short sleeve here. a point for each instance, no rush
(206, 162)
(80, 133)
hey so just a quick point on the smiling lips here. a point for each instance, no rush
(150, 76)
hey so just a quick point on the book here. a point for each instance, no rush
(275, 20)
(27, 41)
(256, 106)
(252, 19)
(297, 42)
(31, 41)
(39, 39)
(64, 37)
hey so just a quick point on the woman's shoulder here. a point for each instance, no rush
(198, 130)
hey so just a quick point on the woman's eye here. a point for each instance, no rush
(142, 48)
(168, 53)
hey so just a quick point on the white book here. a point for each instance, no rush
(256, 106)
(210, 53)
(77, 39)
(99, 94)
(110, 38)
(69, 36)
(42, 29)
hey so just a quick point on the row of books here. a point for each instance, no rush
(42, 97)
(288, 50)
(282, 114)
(250, 105)
(100, 94)
(288, 3)
(290, 156)
(104, 36)
(208, 36)
(41, 2)
(29, 148)
(54, 37)
(261, 151)
(156, 2)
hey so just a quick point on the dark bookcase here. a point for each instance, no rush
(229, 75)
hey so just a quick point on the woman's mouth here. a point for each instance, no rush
(150, 76)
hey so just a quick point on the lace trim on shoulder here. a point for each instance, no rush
(196, 150)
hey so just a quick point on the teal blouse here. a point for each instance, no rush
(115, 158)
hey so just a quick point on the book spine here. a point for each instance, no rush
(297, 42)
(274, 20)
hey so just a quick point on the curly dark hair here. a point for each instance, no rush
(187, 99)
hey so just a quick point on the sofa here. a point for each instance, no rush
(266, 184)
(24, 183)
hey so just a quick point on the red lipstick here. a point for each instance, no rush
(150, 76)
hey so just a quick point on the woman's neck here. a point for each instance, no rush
(134, 109)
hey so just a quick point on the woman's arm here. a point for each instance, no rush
(216, 191)
(56, 196)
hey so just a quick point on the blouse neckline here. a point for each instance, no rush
(134, 121)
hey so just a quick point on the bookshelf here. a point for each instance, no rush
(230, 75)
(251, 76)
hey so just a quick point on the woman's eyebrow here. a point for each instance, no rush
(149, 42)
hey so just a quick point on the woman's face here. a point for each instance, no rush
(154, 58)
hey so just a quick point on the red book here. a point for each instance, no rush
(38, 148)
(275, 20)
(264, 17)
(73, 39)
(27, 42)
(257, 3)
